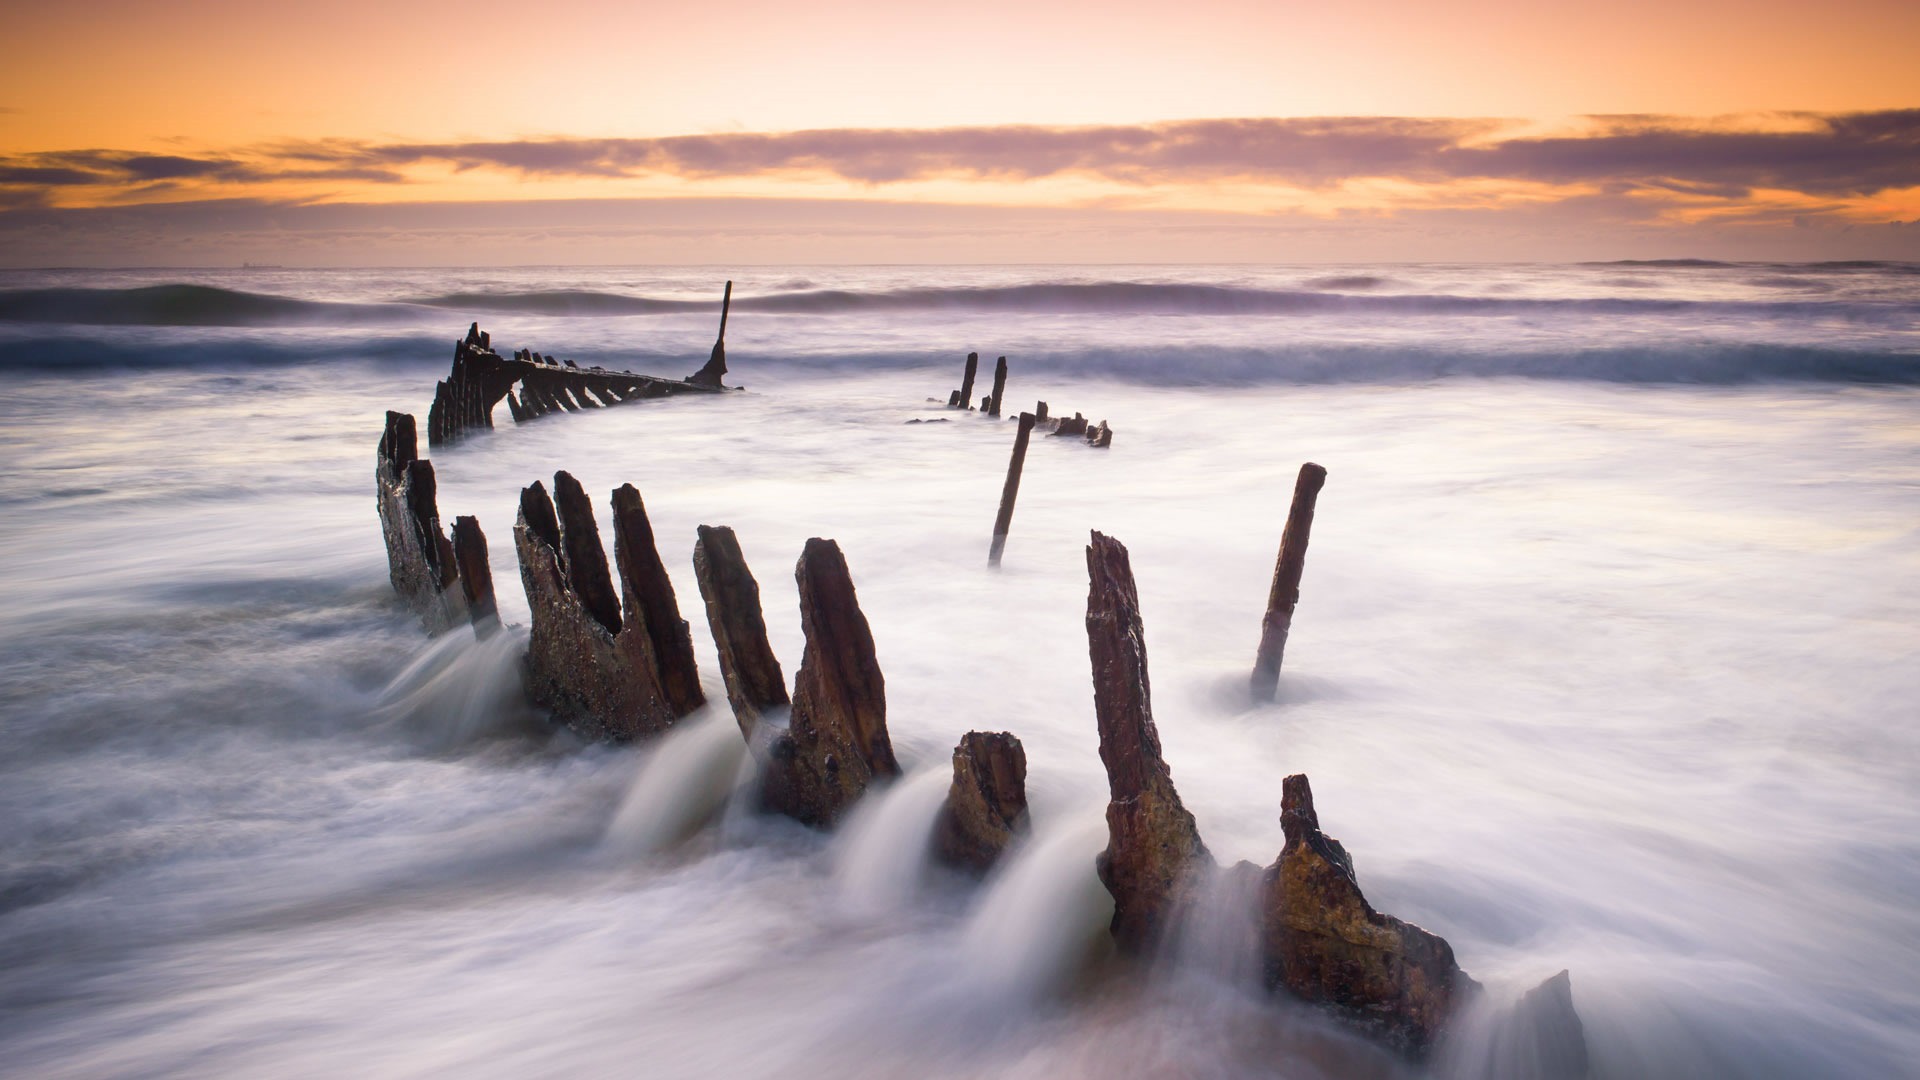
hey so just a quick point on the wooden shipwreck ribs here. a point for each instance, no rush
(617, 663)
(534, 385)
(1075, 426)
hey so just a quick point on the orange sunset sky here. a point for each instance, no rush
(208, 132)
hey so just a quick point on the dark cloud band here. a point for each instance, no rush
(1827, 155)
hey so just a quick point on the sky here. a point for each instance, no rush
(210, 132)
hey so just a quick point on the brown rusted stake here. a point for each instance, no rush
(1284, 594)
(476, 577)
(1012, 490)
(999, 387)
(966, 380)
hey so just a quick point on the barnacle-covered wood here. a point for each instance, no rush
(420, 559)
(838, 725)
(1153, 845)
(987, 802)
(648, 606)
(755, 684)
(1326, 944)
(476, 577)
(595, 670)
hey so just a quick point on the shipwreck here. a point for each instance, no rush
(611, 657)
(535, 385)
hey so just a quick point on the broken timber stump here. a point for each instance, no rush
(755, 684)
(1003, 521)
(1284, 593)
(420, 560)
(476, 577)
(1326, 944)
(966, 380)
(1074, 425)
(1097, 435)
(1544, 1037)
(987, 803)
(1320, 940)
(599, 673)
(1153, 844)
(999, 387)
(838, 724)
(648, 606)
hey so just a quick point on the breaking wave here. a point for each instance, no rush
(85, 353)
(1140, 298)
(1703, 363)
(201, 305)
(186, 305)
(579, 302)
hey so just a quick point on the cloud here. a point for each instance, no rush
(1641, 172)
(1857, 153)
(1850, 154)
(1310, 152)
(120, 168)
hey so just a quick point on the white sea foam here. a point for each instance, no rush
(1607, 675)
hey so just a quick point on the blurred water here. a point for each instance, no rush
(886, 843)
(1610, 670)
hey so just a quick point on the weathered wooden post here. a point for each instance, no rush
(648, 606)
(1040, 412)
(1285, 591)
(838, 725)
(584, 558)
(755, 684)
(1152, 841)
(999, 386)
(1011, 491)
(420, 561)
(966, 380)
(476, 577)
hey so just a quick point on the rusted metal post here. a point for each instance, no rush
(1011, 491)
(1285, 591)
(999, 386)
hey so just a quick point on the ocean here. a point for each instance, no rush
(1604, 662)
